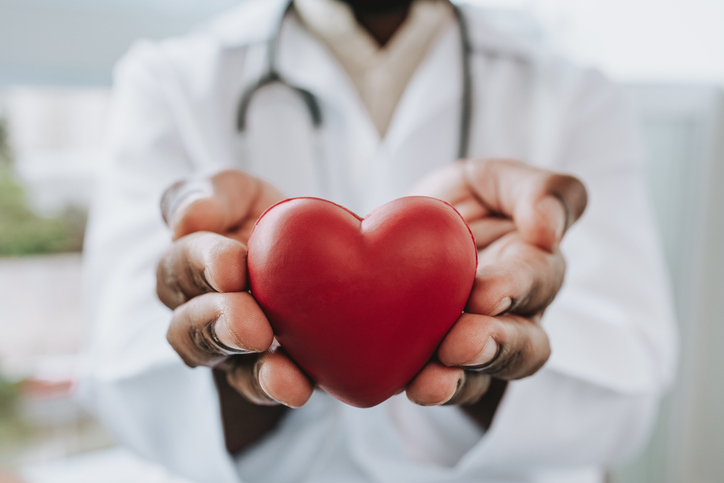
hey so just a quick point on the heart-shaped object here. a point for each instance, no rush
(361, 304)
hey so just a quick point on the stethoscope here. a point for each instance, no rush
(272, 76)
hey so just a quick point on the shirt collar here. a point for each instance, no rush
(334, 23)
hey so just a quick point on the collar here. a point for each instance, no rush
(257, 21)
(380, 74)
(334, 23)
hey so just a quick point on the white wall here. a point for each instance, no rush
(635, 40)
(76, 42)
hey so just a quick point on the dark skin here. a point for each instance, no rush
(517, 213)
(380, 19)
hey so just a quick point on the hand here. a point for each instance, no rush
(202, 277)
(518, 215)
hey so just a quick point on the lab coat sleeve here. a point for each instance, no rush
(132, 379)
(611, 327)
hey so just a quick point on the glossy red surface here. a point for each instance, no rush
(361, 304)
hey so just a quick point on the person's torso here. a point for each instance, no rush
(517, 110)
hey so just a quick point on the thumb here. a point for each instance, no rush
(543, 221)
(227, 203)
(542, 204)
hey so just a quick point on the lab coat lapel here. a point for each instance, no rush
(235, 28)
(304, 61)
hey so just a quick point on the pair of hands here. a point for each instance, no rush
(517, 213)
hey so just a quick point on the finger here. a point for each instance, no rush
(449, 184)
(437, 384)
(542, 204)
(434, 385)
(514, 276)
(200, 263)
(508, 347)
(473, 386)
(271, 378)
(227, 203)
(487, 230)
(210, 327)
(470, 208)
(183, 193)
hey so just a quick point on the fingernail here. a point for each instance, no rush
(458, 386)
(440, 403)
(225, 339)
(502, 306)
(487, 355)
(266, 393)
(260, 380)
(553, 206)
(181, 195)
(210, 280)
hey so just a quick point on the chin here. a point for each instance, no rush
(377, 6)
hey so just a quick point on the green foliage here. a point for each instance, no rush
(6, 155)
(12, 427)
(22, 232)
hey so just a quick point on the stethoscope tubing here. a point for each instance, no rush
(273, 76)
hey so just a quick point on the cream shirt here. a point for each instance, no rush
(380, 74)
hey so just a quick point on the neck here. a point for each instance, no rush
(382, 25)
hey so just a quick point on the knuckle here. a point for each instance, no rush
(163, 268)
(507, 362)
(577, 187)
(169, 286)
(522, 305)
(496, 164)
(534, 352)
(199, 337)
(194, 280)
(191, 363)
(521, 353)
(189, 334)
(181, 272)
(540, 362)
(173, 340)
(490, 168)
(475, 387)
(233, 175)
(538, 281)
(570, 191)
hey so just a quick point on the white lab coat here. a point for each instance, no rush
(611, 327)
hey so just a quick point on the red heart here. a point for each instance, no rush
(361, 304)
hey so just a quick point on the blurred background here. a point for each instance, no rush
(56, 58)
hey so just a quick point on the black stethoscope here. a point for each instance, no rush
(272, 76)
